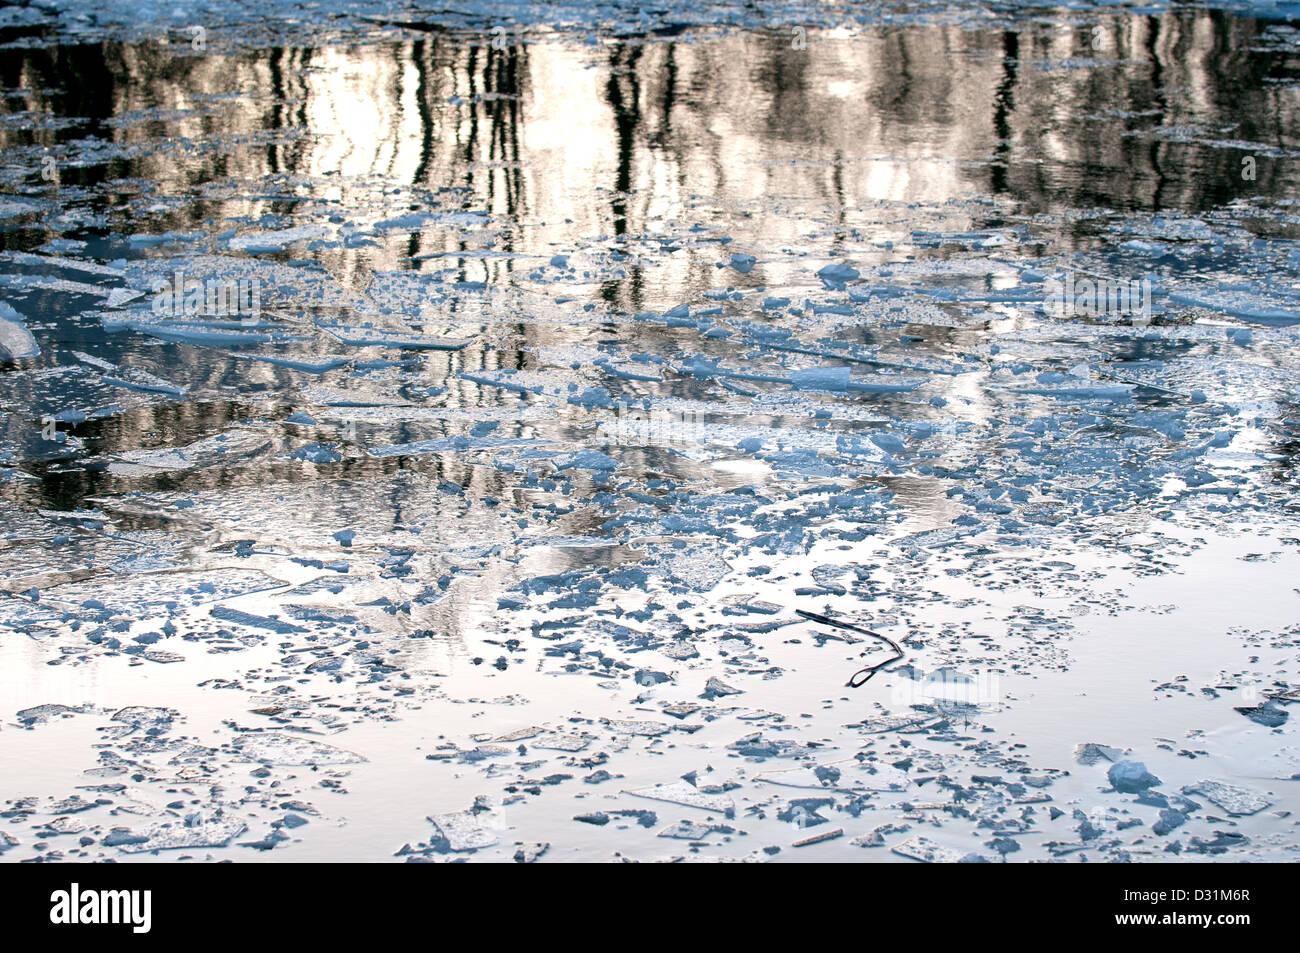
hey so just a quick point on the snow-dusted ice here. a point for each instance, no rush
(504, 435)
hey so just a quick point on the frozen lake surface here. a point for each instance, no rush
(503, 435)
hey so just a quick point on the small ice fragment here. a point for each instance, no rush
(562, 742)
(821, 378)
(15, 340)
(239, 617)
(382, 337)
(122, 837)
(1131, 777)
(284, 749)
(742, 263)
(835, 277)
(1169, 820)
(211, 834)
(587, 459)
(463, 831)
(818, 838)
(519, 734)
(139, 716)
(1269, 714)
(681, 709)
(591, 397)
(269, 242)
(716, 688)
(645, 729)
(687, 830)
(889, 442)
(43, 713)
(1231, 798)
(316, 453)
(530, 853)
(680, 792)
(927, 851)
(648, 678)
(1090, 753)
(120, 296)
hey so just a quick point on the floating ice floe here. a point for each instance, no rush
(269, 242)
(15, 340)
(179, 837)
(284, 749)
(1232, 798)
(464, 831)
(927, 851)
(680, 792)
(382, 337)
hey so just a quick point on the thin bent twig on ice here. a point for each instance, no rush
(871, 670)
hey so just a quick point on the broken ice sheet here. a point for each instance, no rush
(40, 714)
(396, 338)
(818, 838)
(285, 749)
(530, 853)
(690, 830)
(927, 851)
(464, 831)
(521, 734)
(646, 729)
(849, 775)
(145, 717)
(150, 592)
(1232, 798)
(687, 795)
(699, 569)
(886, 723)
(64, 825)
(217, 833)
(1089, 753)
(555, 741)
(235, 447)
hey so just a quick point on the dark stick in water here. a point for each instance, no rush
(870, 671)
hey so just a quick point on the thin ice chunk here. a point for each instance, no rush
(561, 742)
(211, 834)
(15, 340)
(383, 337)
(1231, 798)
(679, 792)
(43, 713)
(463, 831)
(927, 851)
(687, 830)
(284, 749)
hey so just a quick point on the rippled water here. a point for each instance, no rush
(586, 352)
